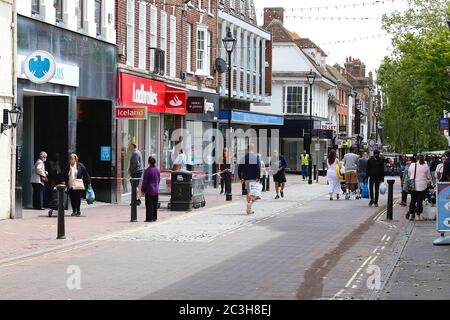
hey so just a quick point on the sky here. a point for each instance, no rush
(324, 32)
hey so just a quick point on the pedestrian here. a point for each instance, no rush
(433, 167)
(304, 161)
(181, 160)
(420, 173)
(334, 185)
(351, 177)
(362, 166)
(39, 177)
(446, 170)
(150, 188)
(77, 180)
(249, 171)
(136, 170)
(404, 166)
(440, 168)
(223, 166)
(374, 175)
(279, 166)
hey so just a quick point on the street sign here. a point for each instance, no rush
(105, 153)
(443, 207)
(443, 124)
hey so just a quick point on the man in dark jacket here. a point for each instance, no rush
(375, 175)
(136, 170)
(249, 170)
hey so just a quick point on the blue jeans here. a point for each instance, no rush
(305, 172)
(38, 195)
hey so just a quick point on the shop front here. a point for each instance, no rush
(67, 94)
(165, 108)
(201, 119)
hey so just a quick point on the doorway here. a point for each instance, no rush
(45, 128)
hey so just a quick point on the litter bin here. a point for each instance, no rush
(181, 193)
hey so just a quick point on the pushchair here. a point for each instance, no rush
(53, 203)
(431, 196)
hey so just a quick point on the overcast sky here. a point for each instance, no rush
(322, 32)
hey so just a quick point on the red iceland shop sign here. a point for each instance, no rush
(156, 96)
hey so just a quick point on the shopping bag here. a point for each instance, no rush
(90, 195)
(255, 189)
(78, 184)
(383, 188)
(365, 191)
(338, 171)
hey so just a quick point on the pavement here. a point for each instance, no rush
(421, 272)
(302, 246)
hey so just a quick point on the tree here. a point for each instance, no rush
(414, 78)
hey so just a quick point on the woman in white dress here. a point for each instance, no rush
(334, 185)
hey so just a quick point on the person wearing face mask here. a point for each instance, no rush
(375, 175)
(39, 177)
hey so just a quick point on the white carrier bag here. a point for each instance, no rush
(255, 189)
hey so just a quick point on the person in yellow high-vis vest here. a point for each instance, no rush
(304, 161)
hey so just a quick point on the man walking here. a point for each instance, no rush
(279, 165)
(362, 166)
(304, 161)
(351, 178)
(375, 174)
(136, 170)
(249, 171)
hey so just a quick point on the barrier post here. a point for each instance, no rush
(61, 188)
(390, 204)
(133, 201)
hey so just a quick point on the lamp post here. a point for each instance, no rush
(358, 121)
(229, 43)
(311, 78)
(14, 116)
(377, 114)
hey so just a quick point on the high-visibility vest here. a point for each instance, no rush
(304, 159)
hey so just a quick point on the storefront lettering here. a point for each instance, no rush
(144, 97)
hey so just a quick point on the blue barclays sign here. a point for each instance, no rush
(41, 67)
(105, 153)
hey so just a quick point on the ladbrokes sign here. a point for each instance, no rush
(154, 95)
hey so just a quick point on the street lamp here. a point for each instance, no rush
(229, 43)
(311, 76)
(358, 121)
(377, 114)
(14, 114)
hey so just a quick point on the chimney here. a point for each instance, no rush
(271, 14)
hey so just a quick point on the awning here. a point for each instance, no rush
(252, 118)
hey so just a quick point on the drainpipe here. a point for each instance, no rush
(14, 92)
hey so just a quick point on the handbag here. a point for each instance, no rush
(365, 191)
(255, 189)
(78, 184)
(411, 183)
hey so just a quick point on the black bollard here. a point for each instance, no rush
(61, 188)
(133, 201)
(244, 190)
(323, 169)
(214, 171)
(315, 172)
(390, 205)
(229, 196)
(268, 182)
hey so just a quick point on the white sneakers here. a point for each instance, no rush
(249, 208)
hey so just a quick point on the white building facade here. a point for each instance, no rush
(7, 88)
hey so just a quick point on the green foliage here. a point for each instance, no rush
(414, 78)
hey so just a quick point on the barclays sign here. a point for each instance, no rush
(41, 67)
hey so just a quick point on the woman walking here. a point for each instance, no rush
(77, 180)
(420, 173)
(150, 187)
(39, 177)
(334, 185)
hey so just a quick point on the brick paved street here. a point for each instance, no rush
(298, 247)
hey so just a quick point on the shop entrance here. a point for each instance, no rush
(45, 128)
(94, 146)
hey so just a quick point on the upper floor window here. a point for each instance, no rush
(58, 4)
(79, 10)
(295, 100)
(98, 16)
(242, 7)
(35, 9)
(130, 32)
(203, 50)
(210, 6)
(232, 4)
